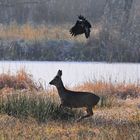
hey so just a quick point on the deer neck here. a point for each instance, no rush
(61, 89)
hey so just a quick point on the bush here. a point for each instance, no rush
(21, 80)
(42, 108)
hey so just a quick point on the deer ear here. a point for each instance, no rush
(59, 73)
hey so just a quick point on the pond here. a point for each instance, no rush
(76, 72)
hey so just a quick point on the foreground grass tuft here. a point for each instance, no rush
(40, 107)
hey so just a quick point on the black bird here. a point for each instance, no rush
(81, 26)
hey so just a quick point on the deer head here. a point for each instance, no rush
(57, 79)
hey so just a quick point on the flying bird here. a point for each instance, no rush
(81, 26)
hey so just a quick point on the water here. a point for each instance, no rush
(76, 72)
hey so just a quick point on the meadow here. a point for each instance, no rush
(31, 32)
(28, 111)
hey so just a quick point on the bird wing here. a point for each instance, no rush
(88, 24)
(77, 29)
(87, 32)
(82, 26)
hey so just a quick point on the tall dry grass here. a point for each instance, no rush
(33, 114)
(41, 32)
(21, 80)
(121, 90)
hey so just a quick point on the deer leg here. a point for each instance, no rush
(89, 113)
(61, 106)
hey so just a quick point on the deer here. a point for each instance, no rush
(74, 99)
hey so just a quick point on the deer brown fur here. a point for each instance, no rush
(74, 99)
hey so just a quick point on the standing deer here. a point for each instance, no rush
(74, 99)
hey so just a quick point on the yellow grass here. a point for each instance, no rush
(21, 80)
(117, 122)
(105, 125)
(41, 32)
(37, 32)
(104, 88)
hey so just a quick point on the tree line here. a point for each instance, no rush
(48, 11)
(118, 39)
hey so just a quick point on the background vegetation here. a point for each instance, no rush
(39, 30)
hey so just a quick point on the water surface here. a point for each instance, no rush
(76, 72)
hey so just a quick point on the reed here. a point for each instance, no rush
(30, 32)
(21, 80)
(35, 114)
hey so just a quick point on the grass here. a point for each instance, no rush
(120, 90)
(41, 107)
(31, 32)
(35, 114)
(21, 80)
(15, 128)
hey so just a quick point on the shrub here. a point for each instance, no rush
(42, 108)
(21, 80)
